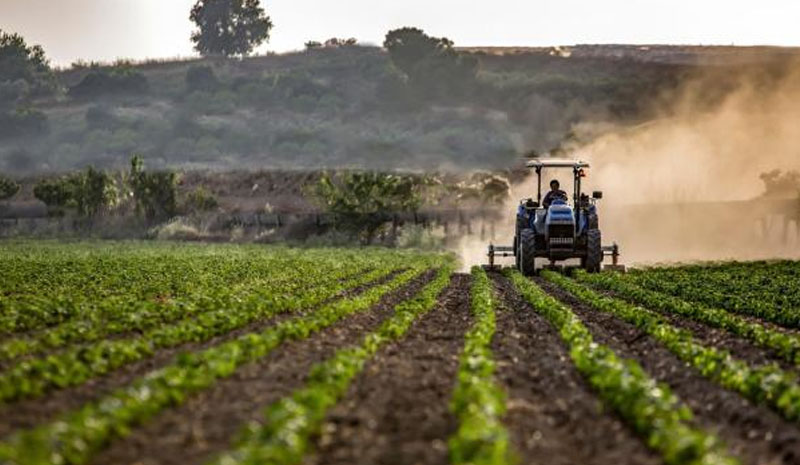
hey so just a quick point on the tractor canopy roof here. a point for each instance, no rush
(556, 163)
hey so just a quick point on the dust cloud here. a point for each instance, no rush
(685, 185)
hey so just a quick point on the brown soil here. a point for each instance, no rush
(739, 347)
(30, 412)
(553, 416)
(396, 410)
(208, 423)
(754, 433)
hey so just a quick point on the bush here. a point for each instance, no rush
(364, 201)
(8, 188)
(100, 117)
(201, 78)
(155, 193)
(100, 82)
(89, 192)
(22, 122)
(200, 200)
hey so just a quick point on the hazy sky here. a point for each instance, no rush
(109, 29)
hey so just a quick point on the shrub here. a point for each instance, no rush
(364, 201)
(100, 117)
(8, 188)
(201, 78)
(22, 122)
(101, 82)
(89, 192)
(200, 200)
(155, 193)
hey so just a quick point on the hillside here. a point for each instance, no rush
(349, 107)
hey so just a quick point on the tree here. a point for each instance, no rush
(229, 27)
(431, 64)
(18, 61)
(364, 201)
(8, 188)
(88, 193)
(155, 193)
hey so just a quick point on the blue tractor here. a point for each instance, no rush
(558, 231)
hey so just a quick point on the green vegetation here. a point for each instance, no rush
(155, 193)
(767, 290)
(365, 201)
(786, 345)
(431, 65)
(290, 423)
(767, 384)
(649, 408)
(317, 279)
(229, 27)
(88, 193)
(478, 402)
(8, 188)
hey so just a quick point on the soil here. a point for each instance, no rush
(738, 347)
(396, 410)
(553, 416)
(209, 422)
(754, 433)
(27, 413)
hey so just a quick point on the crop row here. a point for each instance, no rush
(764, 290)
(786, 345)
(284, 436)
(158, 284)
(478, 402)
(114, 318)
(78, 435)
(31, 378)
(763, 385)
(649, 408)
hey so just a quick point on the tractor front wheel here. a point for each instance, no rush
(526, 253)
(594, 251)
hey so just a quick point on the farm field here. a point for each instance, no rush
(177, 353)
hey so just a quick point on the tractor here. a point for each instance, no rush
(561, 231)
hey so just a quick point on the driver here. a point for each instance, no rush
(555, 193)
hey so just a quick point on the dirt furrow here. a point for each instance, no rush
(30, 412)
(754, 433)
(553, 416)
(396, 410)
(208, 423)
(739, 347)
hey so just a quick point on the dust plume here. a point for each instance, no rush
(686, 185)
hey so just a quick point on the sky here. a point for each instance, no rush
(104, 30)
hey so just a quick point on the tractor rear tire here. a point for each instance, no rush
(594, 251)
(527, 252)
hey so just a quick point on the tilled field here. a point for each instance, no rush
(191, 354)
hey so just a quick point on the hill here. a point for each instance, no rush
(348, 106)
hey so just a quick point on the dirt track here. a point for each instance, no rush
(396, 411)
(553, 416)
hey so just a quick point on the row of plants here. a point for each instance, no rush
(76, 436)
(32, 378)
(786, 345)
(478, 401)
(649, 408)
(767, 290)
(101, 287)
(284, 436)
(129, 316)
(768, 384)
(77, 280)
